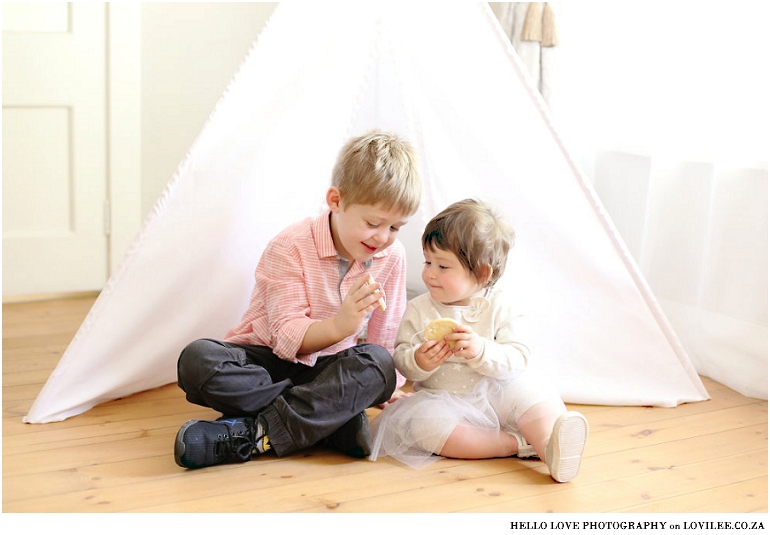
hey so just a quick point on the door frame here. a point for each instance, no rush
(124, 127)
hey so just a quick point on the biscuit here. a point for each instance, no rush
(383, 306)
(438, 329)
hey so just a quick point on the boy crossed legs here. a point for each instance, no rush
(300, 405)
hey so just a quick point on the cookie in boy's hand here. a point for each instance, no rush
(383, 306)
(438, 329)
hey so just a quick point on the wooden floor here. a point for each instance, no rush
(117, 457)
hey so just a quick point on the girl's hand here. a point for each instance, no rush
(468, 344)
(432, 354)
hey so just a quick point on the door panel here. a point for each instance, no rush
(54, 148)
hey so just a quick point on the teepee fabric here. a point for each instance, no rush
(444, 77)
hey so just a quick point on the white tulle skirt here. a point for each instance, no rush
(414, 429)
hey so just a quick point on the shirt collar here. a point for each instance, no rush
(322, 235)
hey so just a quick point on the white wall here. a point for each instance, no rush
(189, 53)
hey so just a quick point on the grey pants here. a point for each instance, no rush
(301, 404)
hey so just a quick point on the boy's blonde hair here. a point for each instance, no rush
(475, 234)
(379, 168)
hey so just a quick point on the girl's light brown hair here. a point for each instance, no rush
(379, 168)
(475, 234)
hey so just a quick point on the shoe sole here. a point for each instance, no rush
(565, 448)
(179, 447)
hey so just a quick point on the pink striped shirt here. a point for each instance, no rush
(300, 279)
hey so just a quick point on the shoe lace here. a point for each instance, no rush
(233, 447)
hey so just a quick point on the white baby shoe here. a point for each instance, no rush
(565, 447)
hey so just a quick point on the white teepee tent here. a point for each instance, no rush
(446, 79)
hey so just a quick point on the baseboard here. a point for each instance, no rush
(13, 299)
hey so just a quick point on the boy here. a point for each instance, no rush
(290, 375)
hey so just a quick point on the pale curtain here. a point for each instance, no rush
(532, 28)
(665, 106)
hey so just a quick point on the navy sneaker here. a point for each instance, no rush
(201, 443)
(353, 438)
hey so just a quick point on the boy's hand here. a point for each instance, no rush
(362, 298)
(468, 344)
(432, 354)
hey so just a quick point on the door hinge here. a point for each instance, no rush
(107, 218)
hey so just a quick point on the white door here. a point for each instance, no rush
(54, 148)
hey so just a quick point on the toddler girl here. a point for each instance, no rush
(475, 396)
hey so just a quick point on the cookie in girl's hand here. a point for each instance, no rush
(438, 329)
